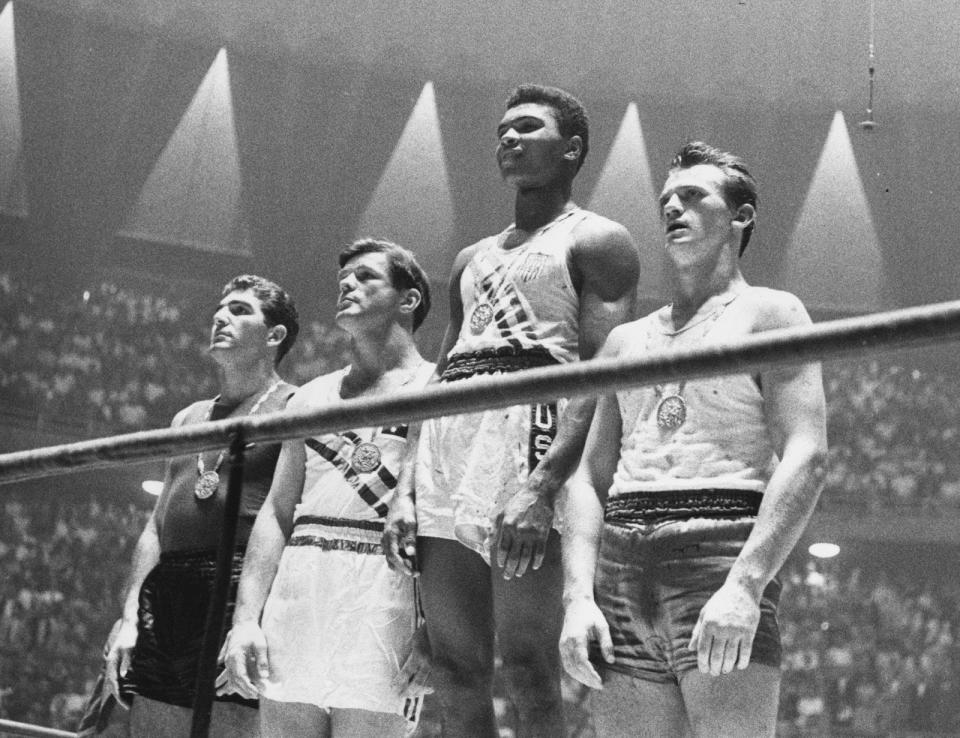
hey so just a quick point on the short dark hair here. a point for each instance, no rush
(571, 115)
(276, 304)
(739, 188)
(405, 272)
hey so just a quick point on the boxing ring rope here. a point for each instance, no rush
(834, 339)
(12, 727)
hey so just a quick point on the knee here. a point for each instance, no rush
(533, 683)
(458, 679)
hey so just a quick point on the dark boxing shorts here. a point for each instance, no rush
(658, 568)
(172, 618)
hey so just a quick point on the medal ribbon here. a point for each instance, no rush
(378, 484)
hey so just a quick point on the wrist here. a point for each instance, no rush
(577, 597)
(750, 584)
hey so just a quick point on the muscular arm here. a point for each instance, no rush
(586, 494)
(796, 416)
(245, 644)
(605, 268)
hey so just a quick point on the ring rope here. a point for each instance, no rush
(835, 339)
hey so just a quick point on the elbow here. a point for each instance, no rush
(817, 467)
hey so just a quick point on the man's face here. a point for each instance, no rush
(530, 146)
(239, 324)
(365, 289)
(693, 210)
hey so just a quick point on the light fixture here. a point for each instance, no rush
(824, 550)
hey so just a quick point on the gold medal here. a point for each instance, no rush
(365, 458)
(207, 485)
(671, 412)
(480, 318)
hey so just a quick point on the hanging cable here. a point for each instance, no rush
(870, 124)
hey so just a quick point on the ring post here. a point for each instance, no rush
(216, 614)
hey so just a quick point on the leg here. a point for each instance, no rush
(528, 613)
(741, 704)
(455, 587)
(232, 720)
(293, 720)
(347, 723)
(154, 719)
(630, 706)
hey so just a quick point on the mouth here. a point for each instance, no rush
(676, 226)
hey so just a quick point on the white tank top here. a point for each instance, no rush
(723, 441)
(523, 296)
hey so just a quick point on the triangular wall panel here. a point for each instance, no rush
(834, 261)
(192, 196)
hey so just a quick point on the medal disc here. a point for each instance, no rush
(366, 457)
(480, 318)
(671, 412)
(207, 484)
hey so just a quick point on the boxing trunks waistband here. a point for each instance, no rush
(337, 543)
(492, 361)
(652, 508)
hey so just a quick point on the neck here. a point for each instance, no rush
(534, 208)
(694, 285)
(373, 355)
(239, 382)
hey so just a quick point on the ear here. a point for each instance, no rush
(276, 334)
(746, 214)
(410, 300)
(574, 149)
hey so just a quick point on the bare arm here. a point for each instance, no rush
(245, 646)
(586, 494)
(400, 528)
(796, 416)
(605, 267)
(146, 555)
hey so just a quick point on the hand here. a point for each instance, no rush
(244, 653)
(118, 657)
(414, 675)
(723, 635)
(583, 622)
(399, 538)
(520, 536)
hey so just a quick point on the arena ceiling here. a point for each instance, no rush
(322, 91)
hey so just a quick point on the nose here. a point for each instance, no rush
(672, 207)
(509, 138)
(347, 282)
(220, 318)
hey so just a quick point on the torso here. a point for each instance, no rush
(351, 474)
(523, 296)
(723, 441)
(187, 523)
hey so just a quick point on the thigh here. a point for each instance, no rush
(528, 610)
(347, 723)
(153, 719)
(741, 704)
(628, 706)
(456, 598)
(233, 720)
(293, 720)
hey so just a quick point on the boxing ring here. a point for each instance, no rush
(835, 339)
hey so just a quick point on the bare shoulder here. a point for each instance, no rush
(306, 394)
(624, 336)
(603, 253)
(463, 258)
(772, 309)
(192, 410)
